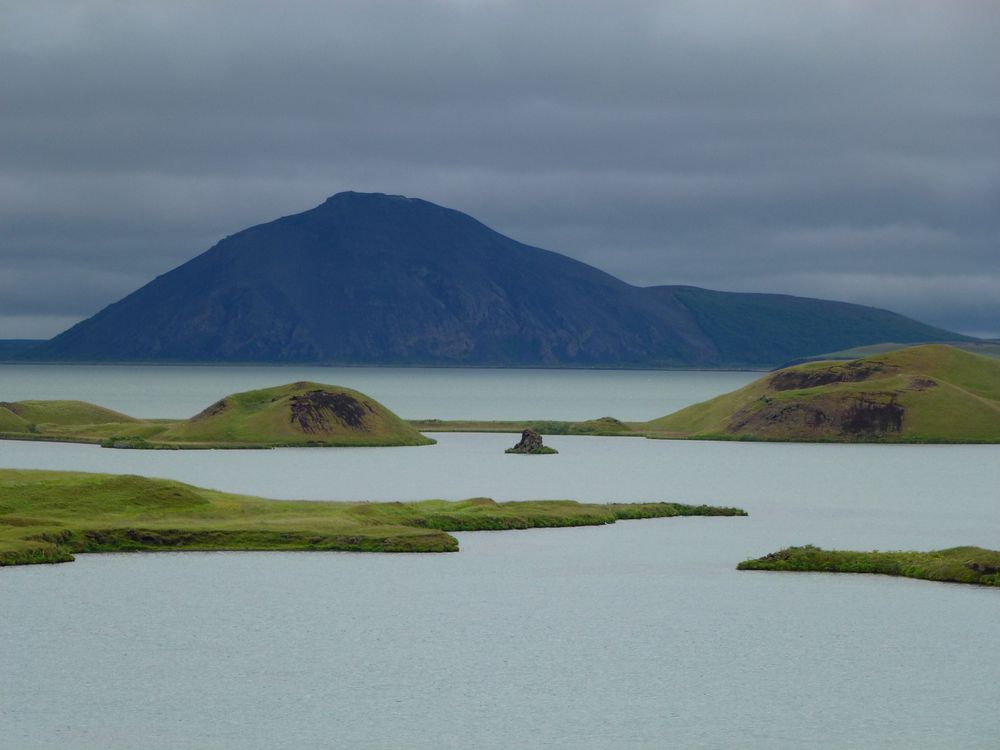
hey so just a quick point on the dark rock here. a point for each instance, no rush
(531, 443)
(210, 411)
(850, 416)
(310, 411)
(983, 568)
(852, 372)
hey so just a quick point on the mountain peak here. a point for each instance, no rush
(348, 196)
(376, 278)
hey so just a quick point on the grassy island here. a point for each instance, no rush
(47, 516)
(956, 565)
(293, 415)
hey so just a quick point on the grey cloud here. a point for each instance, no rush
(846, 149)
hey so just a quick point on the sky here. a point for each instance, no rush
(845, 149)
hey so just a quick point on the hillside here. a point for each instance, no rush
(13, 350)
(373, 278)
(290, 415)
(930, 393)
(47, 516)
(58, 413)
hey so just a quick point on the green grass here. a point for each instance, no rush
(987, 348)
(956, 565)
(939, 393)
(64, 412)
(12, 423)
(293, 415)
(48, 516)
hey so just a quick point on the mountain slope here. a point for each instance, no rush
(372, 278)
(930, 393)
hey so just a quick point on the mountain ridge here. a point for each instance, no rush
(370, 278)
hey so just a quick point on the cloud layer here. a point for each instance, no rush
(848, 150)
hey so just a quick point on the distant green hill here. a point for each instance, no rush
(296, 414)
(61, 413)
(985, 347)
(931, 393)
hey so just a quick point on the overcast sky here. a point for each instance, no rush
(841, 149)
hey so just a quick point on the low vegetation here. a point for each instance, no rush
(955, 565)
(293, 415)
(986, 348)
(47, 517)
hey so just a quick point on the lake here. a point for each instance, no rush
(636, 635)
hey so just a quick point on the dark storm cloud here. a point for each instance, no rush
(846, 150)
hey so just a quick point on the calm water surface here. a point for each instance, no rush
(637, 635)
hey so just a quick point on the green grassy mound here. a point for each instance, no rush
(48, 516)
(956, 565)
(297, 414)
(11, 422)
(932, 393)
(59, 413)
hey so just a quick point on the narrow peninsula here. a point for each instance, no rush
(299, 414)
(48, 516)
(955, 565)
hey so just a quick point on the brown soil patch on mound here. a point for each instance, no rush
(849, 416)
(313, 411)
(852, 372)
(210, 411)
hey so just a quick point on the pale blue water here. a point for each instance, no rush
(637, 635)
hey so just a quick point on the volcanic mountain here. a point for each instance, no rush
(383, 279)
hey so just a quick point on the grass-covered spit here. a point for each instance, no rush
(954, 565)
(47, 516)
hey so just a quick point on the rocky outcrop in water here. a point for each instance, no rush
(531, 444)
